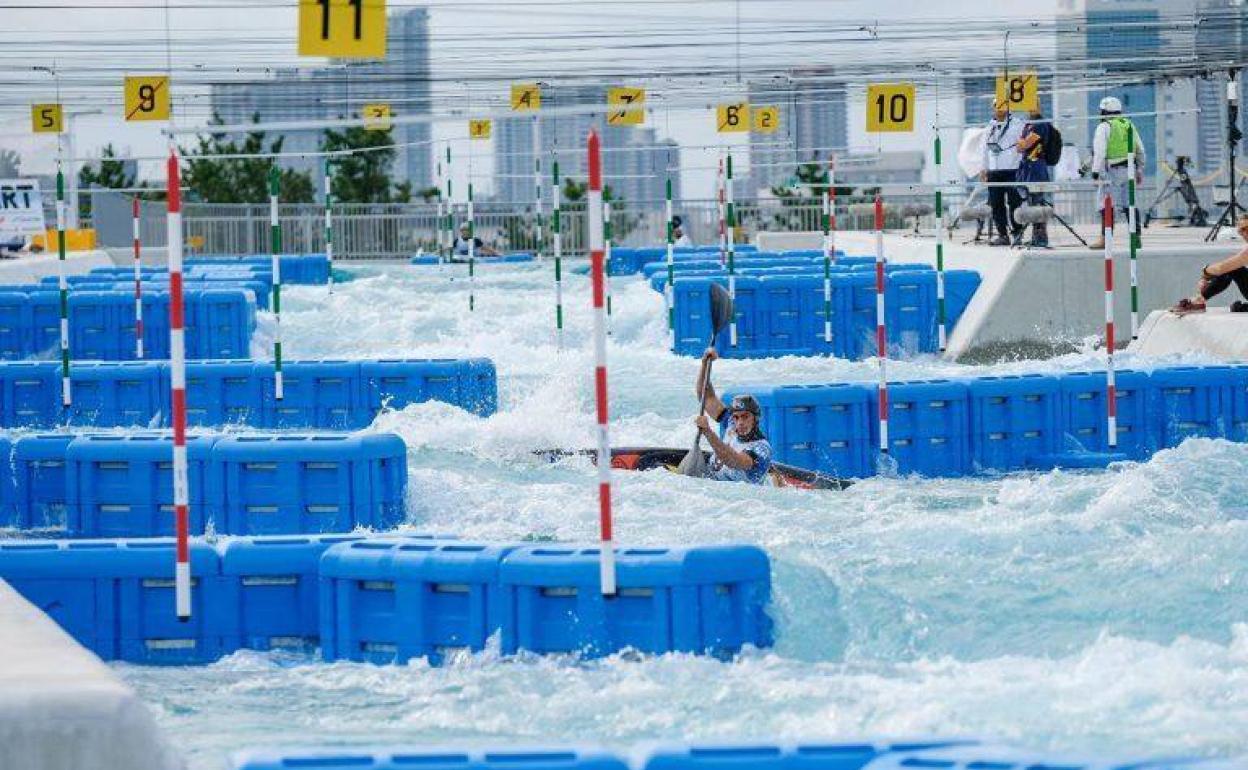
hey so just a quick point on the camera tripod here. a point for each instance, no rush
(1179, 183)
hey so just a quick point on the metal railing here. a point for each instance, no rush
(398, 230)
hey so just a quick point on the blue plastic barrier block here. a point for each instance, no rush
(1085, 414)
(39, 478)
(1015, 419)
(122, 485)
(219, 323)
(960, 288)
(912, 315)
(823, 428)
(482, 380)
(470, 384)
(704, 600)
(15, 325)
(385, 601)
(317, 394)
(292, 484)
(45, 323)
(116, 393)
(8, 511)
(692, 303)
(928, 422)
(785, 327)
(225, 392)
(155, 324)
(399, 758)
(95, 324)
(516, 257)
(30, 394)
(116, 597)
(270, 590)
(997, 757)
(1194, 401)
(782, 756)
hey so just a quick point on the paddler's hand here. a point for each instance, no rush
(703, 423)
(710, 355)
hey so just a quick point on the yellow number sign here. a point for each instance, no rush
(377, 117)
(1020, 89)
(147, 97)
(526, 97)
(343, 29)
(890, 107)
(765, 120)
(626, 106)
(479, 129)
(47, 118)
(732, 118)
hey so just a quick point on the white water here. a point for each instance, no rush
(1069, 611)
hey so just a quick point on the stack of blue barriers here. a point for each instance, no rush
(392, 599)
(957, 427)
(110, 485)
(338, 395)
(929, 753)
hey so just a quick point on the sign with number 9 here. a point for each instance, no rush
(147, 97)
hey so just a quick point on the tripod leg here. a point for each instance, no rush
(1066, 224)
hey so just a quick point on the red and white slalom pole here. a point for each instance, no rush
(1111, 389)
(177, 371)
(597, 258)
(138, 285)
(723, 230)
(881, 332)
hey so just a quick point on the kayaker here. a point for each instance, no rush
(744, 454)
(479, 248)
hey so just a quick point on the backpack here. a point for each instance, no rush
(1053, 147)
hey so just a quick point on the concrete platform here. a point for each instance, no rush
(29, 268)
(1217, 332)
(1039, 301)
(61, 708)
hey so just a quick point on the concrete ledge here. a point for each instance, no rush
(61, 708)
(1217, 332)
(30, 268)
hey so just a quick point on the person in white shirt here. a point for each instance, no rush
(1109, 156)
(1001, 159)
(679, 236)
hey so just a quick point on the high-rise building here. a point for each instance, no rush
(634, 160)
(814, 121)
(402, 80)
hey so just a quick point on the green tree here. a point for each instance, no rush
(363, 176)
(10, 164)
(240, 180)
(812, 184)
(109, 173)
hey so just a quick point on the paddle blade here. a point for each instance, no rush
(694, 463)
(721, 307)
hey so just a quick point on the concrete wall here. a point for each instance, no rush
(61, 708)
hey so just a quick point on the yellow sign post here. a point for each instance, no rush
(526, 97)
(147, 97)
(1020, 89)
(479, 129)
(47, 118)
(627, 106)
(377, 117)
(765, 120)
(890, 107)
(732, 118)
(343, 29)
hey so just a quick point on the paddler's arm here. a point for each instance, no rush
(733, 458)
(714, 406)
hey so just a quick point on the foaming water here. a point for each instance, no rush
(1084, 611)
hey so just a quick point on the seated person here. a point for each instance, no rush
(1216, 277)
(460, 247)
(744, 454)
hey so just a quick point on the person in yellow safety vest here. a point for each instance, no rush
(1109, 157)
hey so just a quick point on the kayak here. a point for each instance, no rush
(650, 458)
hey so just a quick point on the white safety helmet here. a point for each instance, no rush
(1111, 104)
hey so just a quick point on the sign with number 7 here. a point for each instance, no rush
(343, 29)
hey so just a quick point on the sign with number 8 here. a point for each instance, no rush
(343, 29)
(732, 118)
(1020, 89)
(147, 97)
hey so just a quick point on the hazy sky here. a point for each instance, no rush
(506, 39)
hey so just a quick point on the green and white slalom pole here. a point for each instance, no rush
(669, 289)
(472, 255)
(941, 327)
(556, 234)
(1133, 233)
(606, 245)
(439, 228)
(329, 225)
(450, 208)
(828, 250)
(537, 188)
(62, 284)
(730, 235)
(275, 261)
